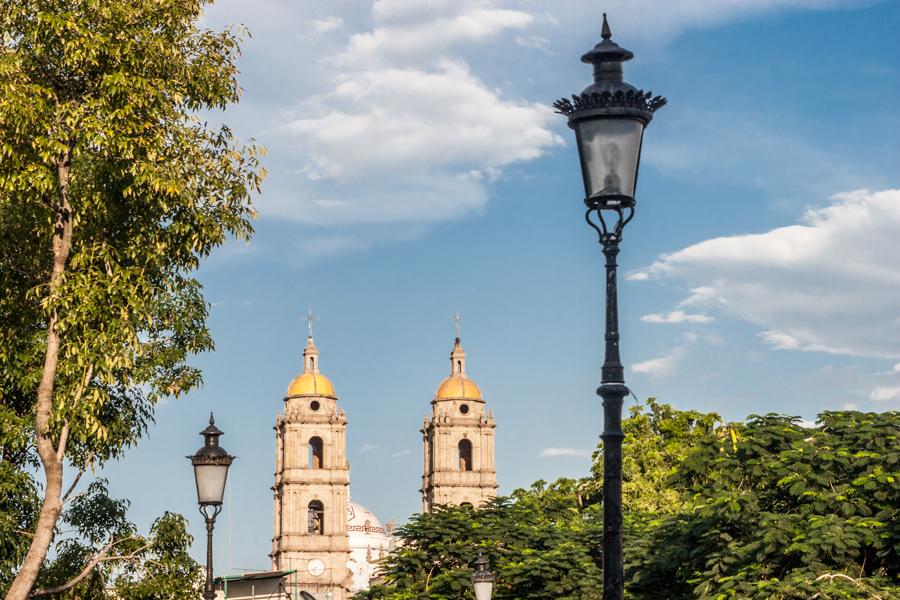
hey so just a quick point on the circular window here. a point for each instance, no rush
(464, 408)
(314, 405)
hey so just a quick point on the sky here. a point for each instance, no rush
(416, 168)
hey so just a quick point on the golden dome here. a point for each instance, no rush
(311, 384)
(457, 386)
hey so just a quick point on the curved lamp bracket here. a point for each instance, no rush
(609, 232)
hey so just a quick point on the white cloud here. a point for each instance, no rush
(537, 42)
(381, 112)
(638, 276)
(327, 24)
(780, 341)
(368, 447)
(886, 394)
(661, 366)
(401, 453)
(555, 452)
(829, 284)
(677, 316)
(429, 36)
(405, 133)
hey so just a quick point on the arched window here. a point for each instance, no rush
(312, 363)
(465, 455)
(315, 453)
(315, 518)
(459, 366)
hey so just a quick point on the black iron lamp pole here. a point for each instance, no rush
(211, 464)
(609, 118)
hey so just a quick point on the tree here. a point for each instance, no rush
(112, 191)
(540, 542)
(100, 555)
(782, 511)
(758, 510)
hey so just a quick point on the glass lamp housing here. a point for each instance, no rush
(211, 464)
(610, 150)
(483, 590)
(210, 483)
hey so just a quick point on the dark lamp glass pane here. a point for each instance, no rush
(609, 150)
(210, 483)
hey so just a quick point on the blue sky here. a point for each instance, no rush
(416, 168)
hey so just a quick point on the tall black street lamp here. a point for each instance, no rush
(609, 118)
(211, 464)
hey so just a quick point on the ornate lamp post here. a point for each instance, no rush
(211, 464)
(609, 118)
(482, 579)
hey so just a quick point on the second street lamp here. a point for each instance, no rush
(482, 579)
(211, 464)
(609, 118)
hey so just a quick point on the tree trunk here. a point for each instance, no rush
(51, 457)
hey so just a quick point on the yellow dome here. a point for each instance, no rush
(456, 386)
(311, 384)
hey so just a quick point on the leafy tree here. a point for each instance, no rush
(100, 555)
(112, 191)
(783, 512)
(758, 510)
(657, 440)
(540, 542)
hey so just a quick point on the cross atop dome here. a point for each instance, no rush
(310, 318)
(310, 353)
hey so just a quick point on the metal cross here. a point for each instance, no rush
(310, 317)
(458, 318)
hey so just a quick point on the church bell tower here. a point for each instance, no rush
(458, 441)
(312, 480)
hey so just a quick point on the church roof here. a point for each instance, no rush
(458, 387)
(311, 384)
(362, 520)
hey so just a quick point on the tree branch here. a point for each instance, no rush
(64, 434)
(92, 564)
(833, 576)
(81, 472)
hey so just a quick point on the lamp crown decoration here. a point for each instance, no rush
(606, 33)
(211, 453)
(609, 94)
(481, 573)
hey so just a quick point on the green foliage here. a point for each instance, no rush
(112, 192)
(540, 543)
(108, 93)
(19, 505)
(132, 566)
(657, 439)
(757, 510)
(785, 512)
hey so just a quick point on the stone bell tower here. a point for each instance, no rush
(458, 442)
(312, 480)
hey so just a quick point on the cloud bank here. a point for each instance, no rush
(830, 283)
